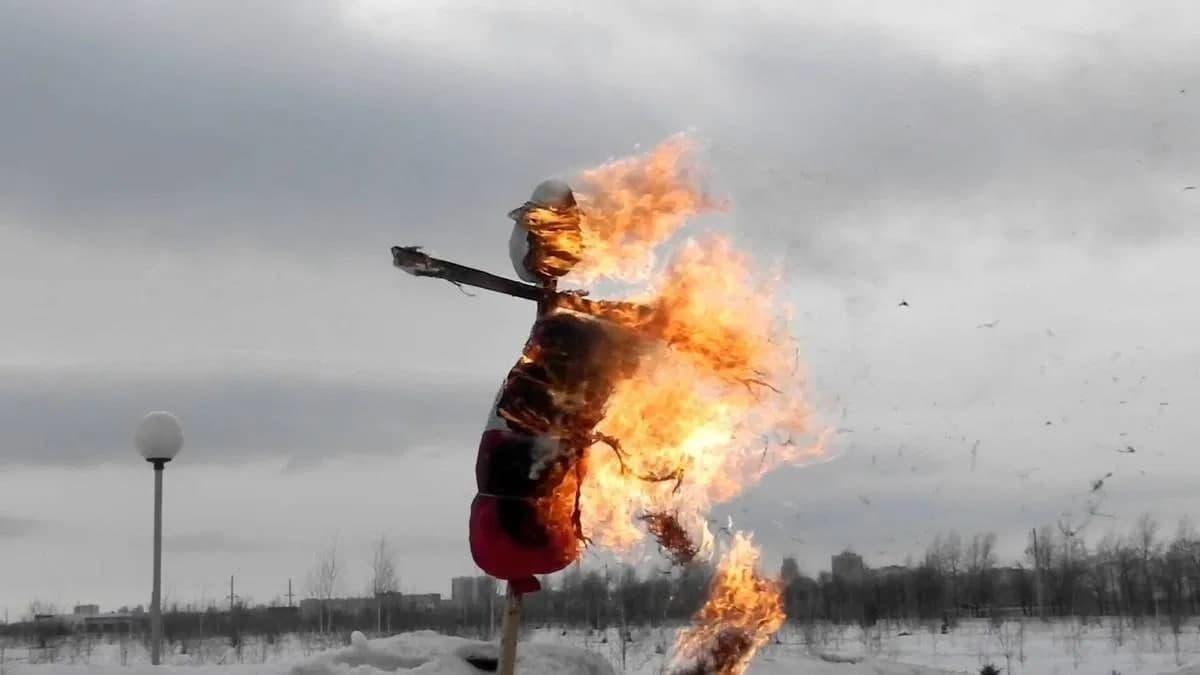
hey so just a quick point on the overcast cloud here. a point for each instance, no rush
(82, 418)
(196, 201)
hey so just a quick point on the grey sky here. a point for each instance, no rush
(83, 418)
(196, 201)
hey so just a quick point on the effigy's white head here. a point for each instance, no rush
(552, 194)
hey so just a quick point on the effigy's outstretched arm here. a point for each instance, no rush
(416, 262)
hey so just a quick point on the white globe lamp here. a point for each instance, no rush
(159, 438)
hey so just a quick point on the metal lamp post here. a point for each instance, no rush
(159, 438)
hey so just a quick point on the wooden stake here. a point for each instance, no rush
(510, 632)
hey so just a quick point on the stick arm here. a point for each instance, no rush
(416, 262)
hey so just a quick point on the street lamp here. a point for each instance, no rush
(159, 438)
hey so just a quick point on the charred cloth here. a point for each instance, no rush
(525, 519)
(674, 540)
(567, 371)
(554, 241)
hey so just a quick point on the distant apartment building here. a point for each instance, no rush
(472, 591)
(89, 618)
(848, 567)
(462, 591)
(311, 608)
(116, 623)
(421, 602)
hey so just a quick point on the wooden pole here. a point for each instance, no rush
(510, 632)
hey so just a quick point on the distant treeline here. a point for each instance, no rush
(1138, 573)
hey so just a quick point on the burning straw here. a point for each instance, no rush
(741, 614)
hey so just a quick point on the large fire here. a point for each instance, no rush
(716, 402)
(716, 396)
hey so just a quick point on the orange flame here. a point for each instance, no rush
(741, 614)
(631, 206)
(716, 396)
(718, 400)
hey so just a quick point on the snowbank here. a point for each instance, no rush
(421, 653)
(429, 653)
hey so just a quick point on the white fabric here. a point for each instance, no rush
(518, 247)
(553, 193)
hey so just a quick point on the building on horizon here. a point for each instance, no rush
(466, 592)
(889, 571)
(848, 567)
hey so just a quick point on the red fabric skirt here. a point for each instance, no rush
(521, 525)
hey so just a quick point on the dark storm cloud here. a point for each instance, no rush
(284, 127)
(11, 528)
(81, 418)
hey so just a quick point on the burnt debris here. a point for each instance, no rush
(671, 537)
(725, 651)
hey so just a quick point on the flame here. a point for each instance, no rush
(555, 240)
(712, 399)
(717, 400)
(631, 206)
(741, 614)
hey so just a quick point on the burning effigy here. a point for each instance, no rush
(626, 419)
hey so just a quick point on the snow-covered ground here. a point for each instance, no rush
(427, 653)
(420, 653)
(1031, 647)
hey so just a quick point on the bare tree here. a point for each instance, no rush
(1126, 566)
(37, 607)
(981, 558)
(323, 581)
(1174, 573)
(1145, 540)
(1189, 541)
(1039, 551)
(383, 577)
(951, 555)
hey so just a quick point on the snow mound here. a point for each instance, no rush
(429, 653)
(419, 653)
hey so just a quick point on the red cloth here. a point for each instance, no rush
(520, 526)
